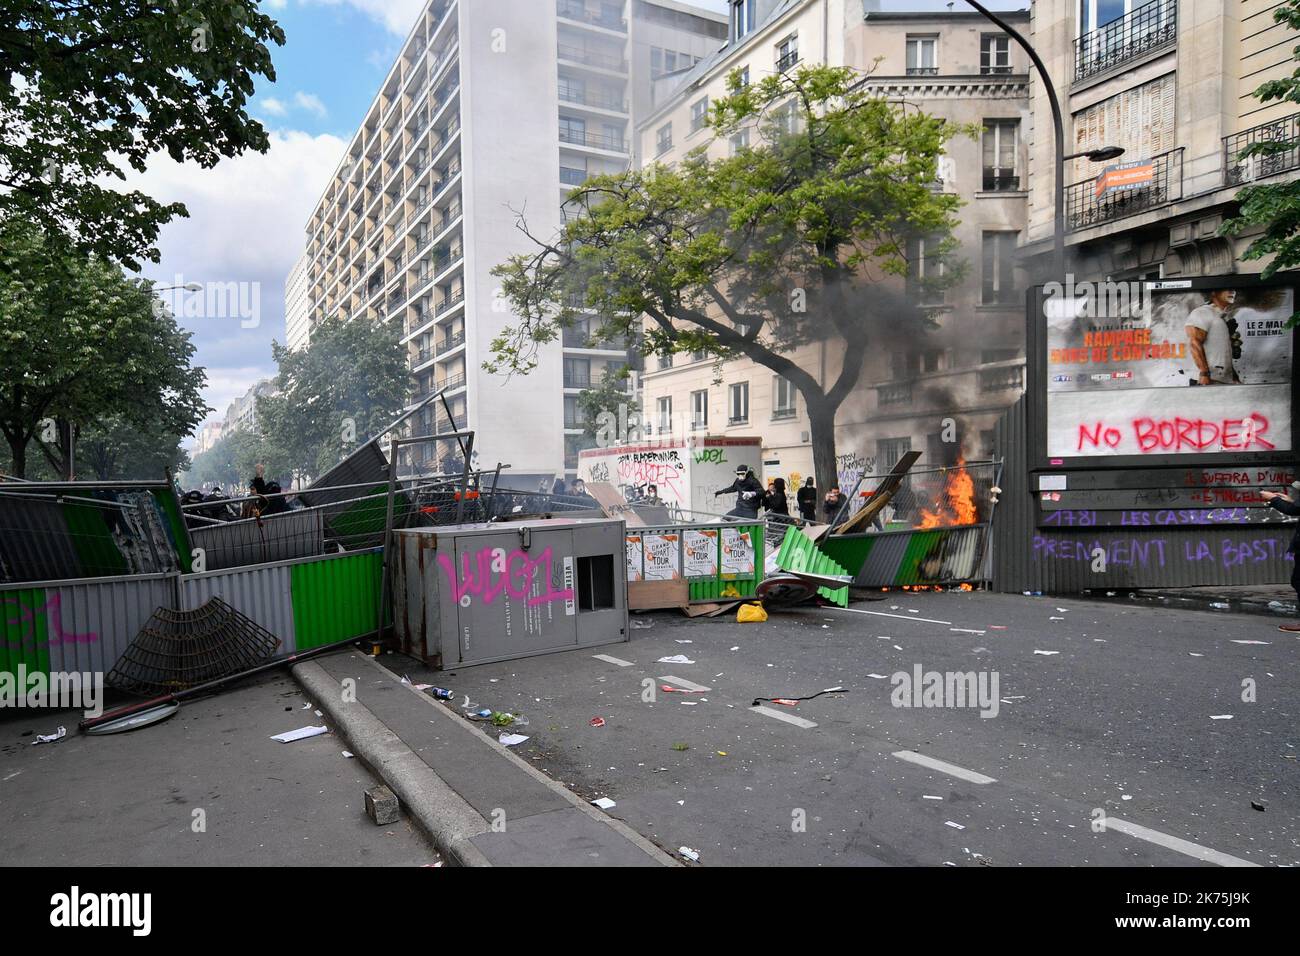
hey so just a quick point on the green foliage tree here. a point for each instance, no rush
(604, 400)
(82, 345)
(801, 238)
(1274, 207)
(336, 394)
(87, 86)
(116, 448)
(230, 463)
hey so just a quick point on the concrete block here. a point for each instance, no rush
(381, 805)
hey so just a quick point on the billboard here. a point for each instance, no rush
(1146, 370)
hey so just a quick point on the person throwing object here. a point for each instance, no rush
(748, 491)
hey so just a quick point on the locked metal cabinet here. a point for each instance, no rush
(473, 594)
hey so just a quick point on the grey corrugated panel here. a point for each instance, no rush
(364, 466)
(881, 566)
(34, 541)
(1013, 521)
(112, 611)
(281, 537)
(262, 594)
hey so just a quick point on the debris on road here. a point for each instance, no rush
(751, 614)
(604, 803)
(50, 738)
(692, 855)
(597, 721)
(1221, 717)
(675, 659)
(1047, 653)
(791, 701)
(302, 733)
(511, 740)
(381, 805)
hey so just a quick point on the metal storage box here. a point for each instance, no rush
(473, 594)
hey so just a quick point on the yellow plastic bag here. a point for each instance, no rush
(751, 614)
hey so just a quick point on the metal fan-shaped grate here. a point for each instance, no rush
(179, 649)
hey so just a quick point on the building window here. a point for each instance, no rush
(665, 361)
(700, 409)
(738, 404)
(744, 77)
(665, 408)
(921, 56)
(739, 141)
(787, 52)
(989, 356)
(998, 278)
(999, 146)
(783, 398)
(573, 414)
(924, 266)
(664, 138)
(699, 356)
(995, 53)
(743, 16)
(889, 451)
(787, 118)
(907, 365)
(699, 113)
(577, 373)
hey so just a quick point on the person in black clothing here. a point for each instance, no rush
(1288, 506)
(749, 494)
(831, 506)
(775, 500)
(258, 484)
(807, 499)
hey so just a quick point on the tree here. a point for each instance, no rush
(115, 448)
(85, 86)
(1274, 206)
(337, 393)
(802, 238)
(230, 463)
(607, 404)
(80, 345)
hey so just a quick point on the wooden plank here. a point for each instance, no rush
(648, 595)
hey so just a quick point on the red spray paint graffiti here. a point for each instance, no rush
(515, 574)
(27, 617)
(1171, 435)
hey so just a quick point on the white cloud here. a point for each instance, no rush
(248, 217)
(309, 102)
(396, 16)
(274, 107)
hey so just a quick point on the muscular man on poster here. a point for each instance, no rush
(1211, 340)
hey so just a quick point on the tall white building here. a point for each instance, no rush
(297, 324)
(491, 110)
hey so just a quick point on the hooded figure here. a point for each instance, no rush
(807, 498)
(775, 501)
(749, 494)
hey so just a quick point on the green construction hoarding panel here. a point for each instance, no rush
(24, 631)
(719, 588)
(335, 598)
(799, 553)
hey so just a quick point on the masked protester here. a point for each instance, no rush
(1289, 506)
(807, 499)
(775, 501)
(748, 491)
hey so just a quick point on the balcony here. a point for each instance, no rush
(449, 303)
(572, 10)
(1147, 28)
(1238, 170)
(1000, 180)
(1002, 379)
(596, 100)
(577, 137)
(452, 341)
(572, 177)
(453, 382)
(922, 71)
(781, 413)
(1084, 208)
(602, 61)
(784, 63)
(894, 393)
(444, 261)
(575, 379)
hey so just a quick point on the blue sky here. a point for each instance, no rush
(248, 214)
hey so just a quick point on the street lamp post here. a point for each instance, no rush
(1058, 130)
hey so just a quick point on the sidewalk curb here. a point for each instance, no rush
(443, 815)
(1222, 604)
(450, 821)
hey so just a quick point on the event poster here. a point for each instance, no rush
(1142, 369)
(635, 558)
(700, 553)
(662, 556)
(737, 554)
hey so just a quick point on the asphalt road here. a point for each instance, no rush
(1104, 751)
(132, 798)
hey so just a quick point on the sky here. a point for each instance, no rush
(248, 214)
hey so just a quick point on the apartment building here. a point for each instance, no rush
(1170, 83)
(938, 391)
(491, 110)
(297, 322)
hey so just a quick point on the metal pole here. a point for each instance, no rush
(464, 483)
(388, 534)
(1058, 129)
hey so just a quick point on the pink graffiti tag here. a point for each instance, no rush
(516, 575)
(27, 617)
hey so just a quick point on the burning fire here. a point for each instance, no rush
(957, 506)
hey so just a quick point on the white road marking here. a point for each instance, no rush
(1186, 847)
(612, 660)
(970, 776)
(901, 617)
(683, 684)
(788, 718)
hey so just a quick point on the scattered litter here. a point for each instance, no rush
(882, 637)
(1062, 610)
(346, 753)
(1056, 619)
(679, 746)
(511, 740)
(1047, 653)
(949, 862)
(319, 714)
(659, 770)
(676, 659)
(1258, 805)
(597, 721)
(791, 701)
(1194, 654)
(690, 703)
(1016, 697)
(736, 648)
(997, 627)
(441, 693)
(897, 648)
(751, 614)
(1125, 796)
(910, 611)
(1220, 716)
(878, 676)
(289, 736)
(722, 753)
(683, 642)
(604, 803)
(964, 630)
(50, 738)
(501, 719)
(955, 826)
(926, 796)
(1252, 642)
(692, 855)
(979, 650)
(641, 623)
(306, 706)
(493, 680)
(681, 803)
(1220, 605)
(669, 689)
(1099, 640)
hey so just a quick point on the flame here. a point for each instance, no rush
(958, 505)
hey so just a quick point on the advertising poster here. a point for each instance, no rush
(662, 557)
(700, 550)
(1139, 369)
(737, 554)
(635, 558)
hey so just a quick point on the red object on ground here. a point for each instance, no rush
(598, 721)
(785, 700)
